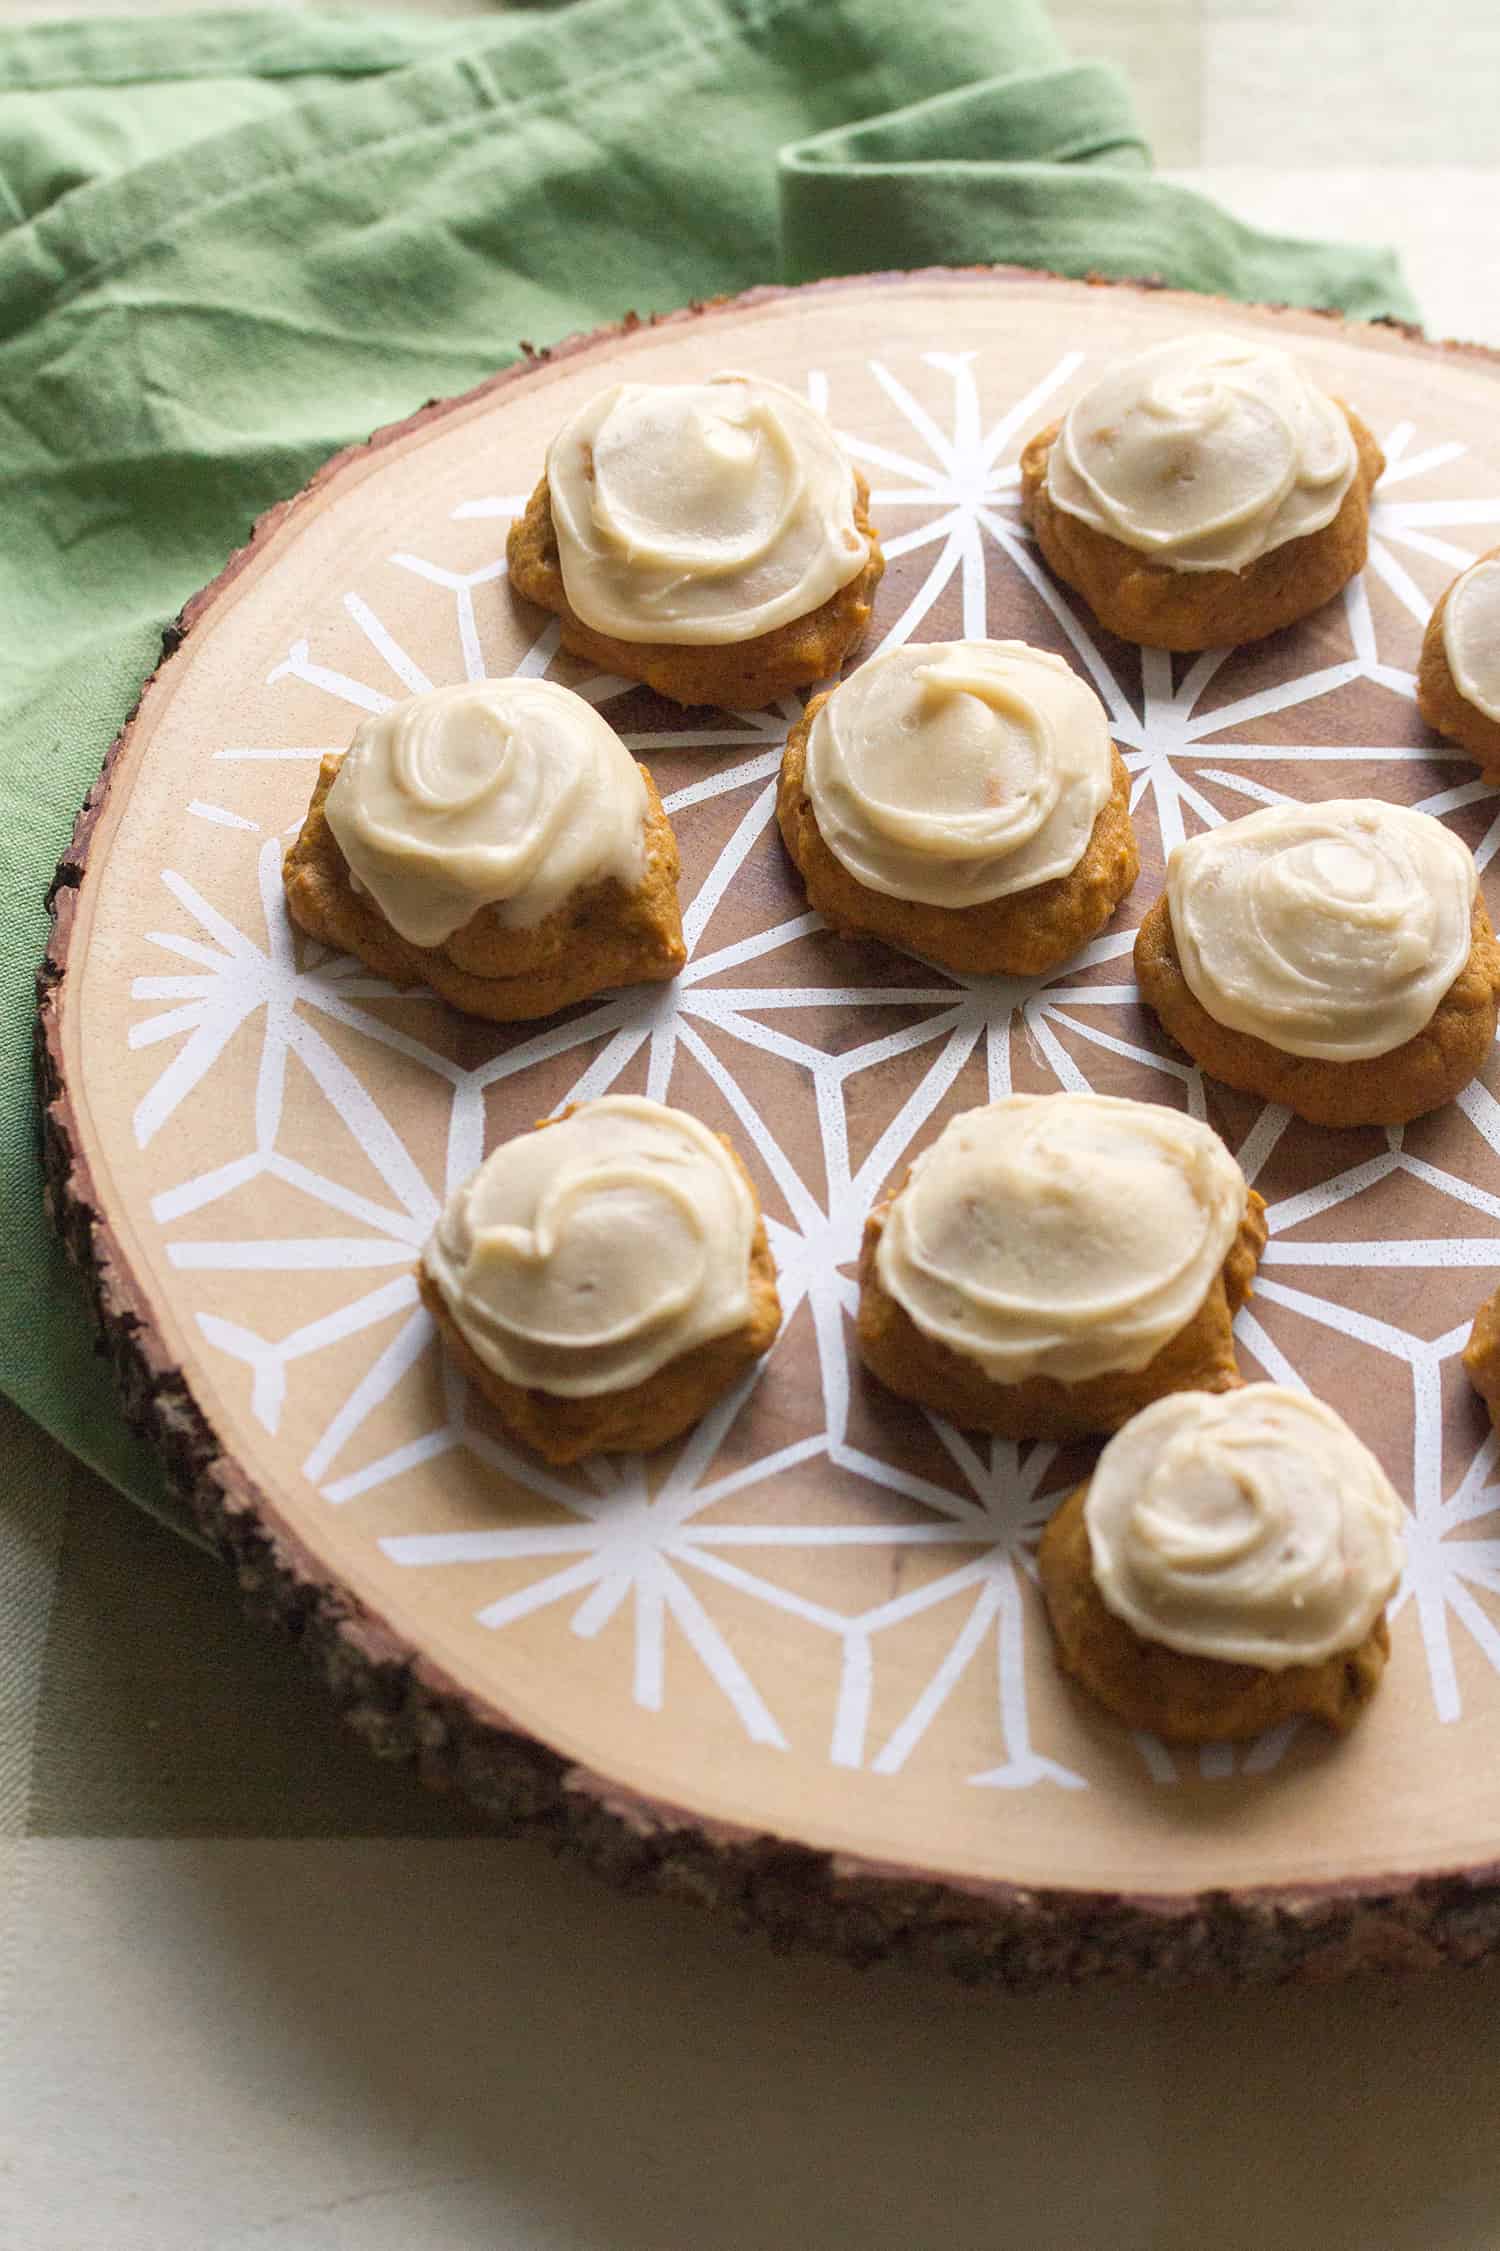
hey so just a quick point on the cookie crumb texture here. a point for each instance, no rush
(1161, 608)
(644, 1416)
(1441, 702)
(1482, 1355)
(740, 676)
(604, 936)
(1420, 1075)
(1199, 1358)
(1020, 935)
(1186, 1699)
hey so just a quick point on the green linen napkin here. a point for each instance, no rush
(231, 243)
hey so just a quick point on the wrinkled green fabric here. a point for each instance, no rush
(231, 243)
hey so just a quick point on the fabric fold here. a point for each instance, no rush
(1045, 168)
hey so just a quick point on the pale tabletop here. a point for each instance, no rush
(260, 1995)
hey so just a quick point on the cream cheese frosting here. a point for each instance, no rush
(1250, 1526)
(701, 513)
(959, 772)
(1471, 635)
(1204, 453)
(1327, 930)
(1063, 1235)
(581, 1258)
(510, 794)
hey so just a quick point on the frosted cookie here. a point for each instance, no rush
(1054, 1261)
(602, 1279)
(962, 800)
(1227, 1567)
(1458, 680)
(1202, 493)
(1334, 957)
(496, 842)
(708, 538)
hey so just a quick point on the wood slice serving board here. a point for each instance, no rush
(797, 1664)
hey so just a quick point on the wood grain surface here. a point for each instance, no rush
(788, 1759)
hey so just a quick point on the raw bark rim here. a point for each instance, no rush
(406, 1706)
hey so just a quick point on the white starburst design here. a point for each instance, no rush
(1445, 1574)
(950, 1522)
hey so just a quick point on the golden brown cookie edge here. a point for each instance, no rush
(1481, 1355)
(1440, 700)
(1200, 1357)
(743, 675)
(1155, 606)
(1185, 1699)
(1003, 937)
(1419, 1076)
(643, 1416)
(601, 938)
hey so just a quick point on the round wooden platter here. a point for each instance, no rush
(796, 1665)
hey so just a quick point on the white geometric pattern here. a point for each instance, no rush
(656, 1540)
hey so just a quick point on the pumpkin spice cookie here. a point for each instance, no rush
(1202, 493)
(710, 539)
(963, 801)
(602, 1279)
(1337, 958)
(497, 842)
(1458, 679)
(1052, 1262)
(1227, 1568)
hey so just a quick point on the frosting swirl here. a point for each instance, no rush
(1061, 1235)
(701, 513)
(1471, 634)
(1328, 930)
(582, 1257)
(1250, 1526)
(509, 794)
(959, 772)
(1204, 453)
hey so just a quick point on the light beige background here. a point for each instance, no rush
(337, 2038)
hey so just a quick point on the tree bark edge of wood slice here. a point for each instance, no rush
(403, 1706)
